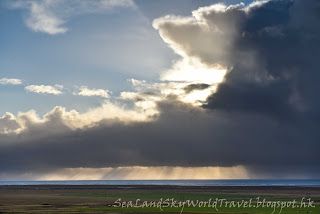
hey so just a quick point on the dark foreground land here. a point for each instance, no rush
(102, 199)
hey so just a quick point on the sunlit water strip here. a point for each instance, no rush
(311, 183)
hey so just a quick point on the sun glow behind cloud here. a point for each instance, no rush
(189, 71)
(192, 70)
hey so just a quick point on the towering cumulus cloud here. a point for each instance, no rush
(261, 65)
(269, 48)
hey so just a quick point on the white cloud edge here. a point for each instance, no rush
(7, 81)
(49, 16)
(45, 89)
(85, 91)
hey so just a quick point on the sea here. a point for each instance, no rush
(247, 182)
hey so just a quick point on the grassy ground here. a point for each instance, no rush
(225, 203)
(103, 199)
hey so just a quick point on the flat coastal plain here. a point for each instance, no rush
(102, 198)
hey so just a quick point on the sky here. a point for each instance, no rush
(170, 89)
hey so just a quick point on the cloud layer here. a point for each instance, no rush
(85, 91)
(182, 136)
(6, 81)
(45, 89)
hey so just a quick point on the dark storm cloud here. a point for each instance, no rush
(183, 136)
(265, 115)
(193, 87)
(283, 37)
